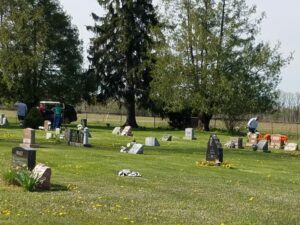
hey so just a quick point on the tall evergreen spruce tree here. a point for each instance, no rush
(121, 53)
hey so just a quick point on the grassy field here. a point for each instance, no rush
(262, 188)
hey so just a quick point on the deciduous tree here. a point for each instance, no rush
(40, 53)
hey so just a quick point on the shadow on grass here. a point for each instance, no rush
(58, 187)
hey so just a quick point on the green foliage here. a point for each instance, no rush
(26, 180)
(40, 54)
(21, 177)
(213, 62)
(121, 53)
(10, 176)
(33, 119)
(86, 181)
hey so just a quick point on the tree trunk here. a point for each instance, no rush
(205, 120)
(130, 108)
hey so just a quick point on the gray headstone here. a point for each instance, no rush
(237, 142)
(74, 137)
(189, 134)
(23, 157)
(291, 147)
(43, 174)
(116, 130)
(3, 120)
(167, 137)
(136, 149)
(262, 145)
(29, 138)
(151, 141)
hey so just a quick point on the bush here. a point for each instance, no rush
(33, 119)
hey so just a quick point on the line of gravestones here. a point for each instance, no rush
(25, 154)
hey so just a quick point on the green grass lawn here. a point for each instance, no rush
(263, 188)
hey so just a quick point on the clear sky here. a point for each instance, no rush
(280, 25)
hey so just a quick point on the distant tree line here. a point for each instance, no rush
(188, 58)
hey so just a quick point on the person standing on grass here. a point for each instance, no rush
(252, 124)
(57, 116)
(21, 111)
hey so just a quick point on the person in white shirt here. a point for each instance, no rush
(252, 124)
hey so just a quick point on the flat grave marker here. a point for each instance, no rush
(127, 131)
(136, 149)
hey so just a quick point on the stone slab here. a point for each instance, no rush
(151, 141)
(136, 149)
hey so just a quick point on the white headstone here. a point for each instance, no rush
(189, 134)
(48, 135)
(136, 149)
(2, 116)
(57, 131)
(126, 131)
(291, 147)
(116, 130)
(151, 141)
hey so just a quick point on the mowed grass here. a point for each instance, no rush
(263, 188)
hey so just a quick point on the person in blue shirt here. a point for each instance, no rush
(21, 111)
(252, 124)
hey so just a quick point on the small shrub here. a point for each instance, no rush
(21, 177)
(26, 180)
(33, 119)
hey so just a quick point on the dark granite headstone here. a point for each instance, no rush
(23, 157)
(74, 137)
(214, 149)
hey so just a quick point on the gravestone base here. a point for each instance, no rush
(23, 145)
